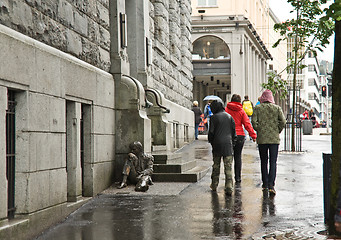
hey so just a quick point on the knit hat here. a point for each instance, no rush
(267, 97)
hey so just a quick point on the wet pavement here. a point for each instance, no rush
(192, 211)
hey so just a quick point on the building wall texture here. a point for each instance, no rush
(80, 28)
(171, 34)
(59, 59)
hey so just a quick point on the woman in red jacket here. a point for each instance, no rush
(235, 109)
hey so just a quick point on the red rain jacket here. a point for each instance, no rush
(235, 109)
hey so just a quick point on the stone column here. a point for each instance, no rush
(3, 180)
(74, 181)
(237, 77)
(138, 35)
(88, 170)
(118, 52)
(132, 122)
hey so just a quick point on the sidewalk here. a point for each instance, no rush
(192, 211)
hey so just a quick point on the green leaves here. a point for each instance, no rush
(276, 85)
(309, 22)
(333, 12)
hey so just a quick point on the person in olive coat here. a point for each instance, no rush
(221, 135)
(268, 120)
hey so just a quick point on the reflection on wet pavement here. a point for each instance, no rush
(198, 213)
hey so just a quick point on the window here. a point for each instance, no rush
(289, 54)
(312, 68)
(310, 54)
(207, 3)
(311, 96)
(210, 47)
(311, 82)
(291, 70)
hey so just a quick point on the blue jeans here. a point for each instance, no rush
(196, 130)
(268, 174)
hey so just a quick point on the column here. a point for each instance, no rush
(3, 180)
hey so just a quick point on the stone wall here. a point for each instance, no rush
(78, 27)
(81, 28)
(170, 29)
(48, 86)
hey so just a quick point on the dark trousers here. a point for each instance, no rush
(268, 154)
(237, 155)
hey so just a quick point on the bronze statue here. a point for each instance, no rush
(138, 168)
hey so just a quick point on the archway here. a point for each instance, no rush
(211, 59)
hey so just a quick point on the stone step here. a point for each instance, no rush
(167, 158)
(159, 148)
(174, 168)
(192, 175)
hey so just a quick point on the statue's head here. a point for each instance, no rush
(136, 147)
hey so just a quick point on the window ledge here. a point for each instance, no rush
(213, 6)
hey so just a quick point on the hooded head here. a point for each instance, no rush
(267, 97)
(217, 106)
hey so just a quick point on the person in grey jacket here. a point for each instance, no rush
(268, 120)
(197, 118)
(221, 135)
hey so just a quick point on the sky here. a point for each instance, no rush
(282, 9)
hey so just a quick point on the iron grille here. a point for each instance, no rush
(10, 152)
(297, 124)
(82, 146)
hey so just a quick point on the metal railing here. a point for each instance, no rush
(10, 153)
(289, 145)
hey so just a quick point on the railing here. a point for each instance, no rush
(10, 153)
(289, 145)
(82, 146)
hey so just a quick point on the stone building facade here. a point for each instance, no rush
(79, 81)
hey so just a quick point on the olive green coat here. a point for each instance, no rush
(268, 120)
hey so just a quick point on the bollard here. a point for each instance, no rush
(307, 127)
(327, 174)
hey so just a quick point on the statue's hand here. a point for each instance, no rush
(123, 185)
(132, 157)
